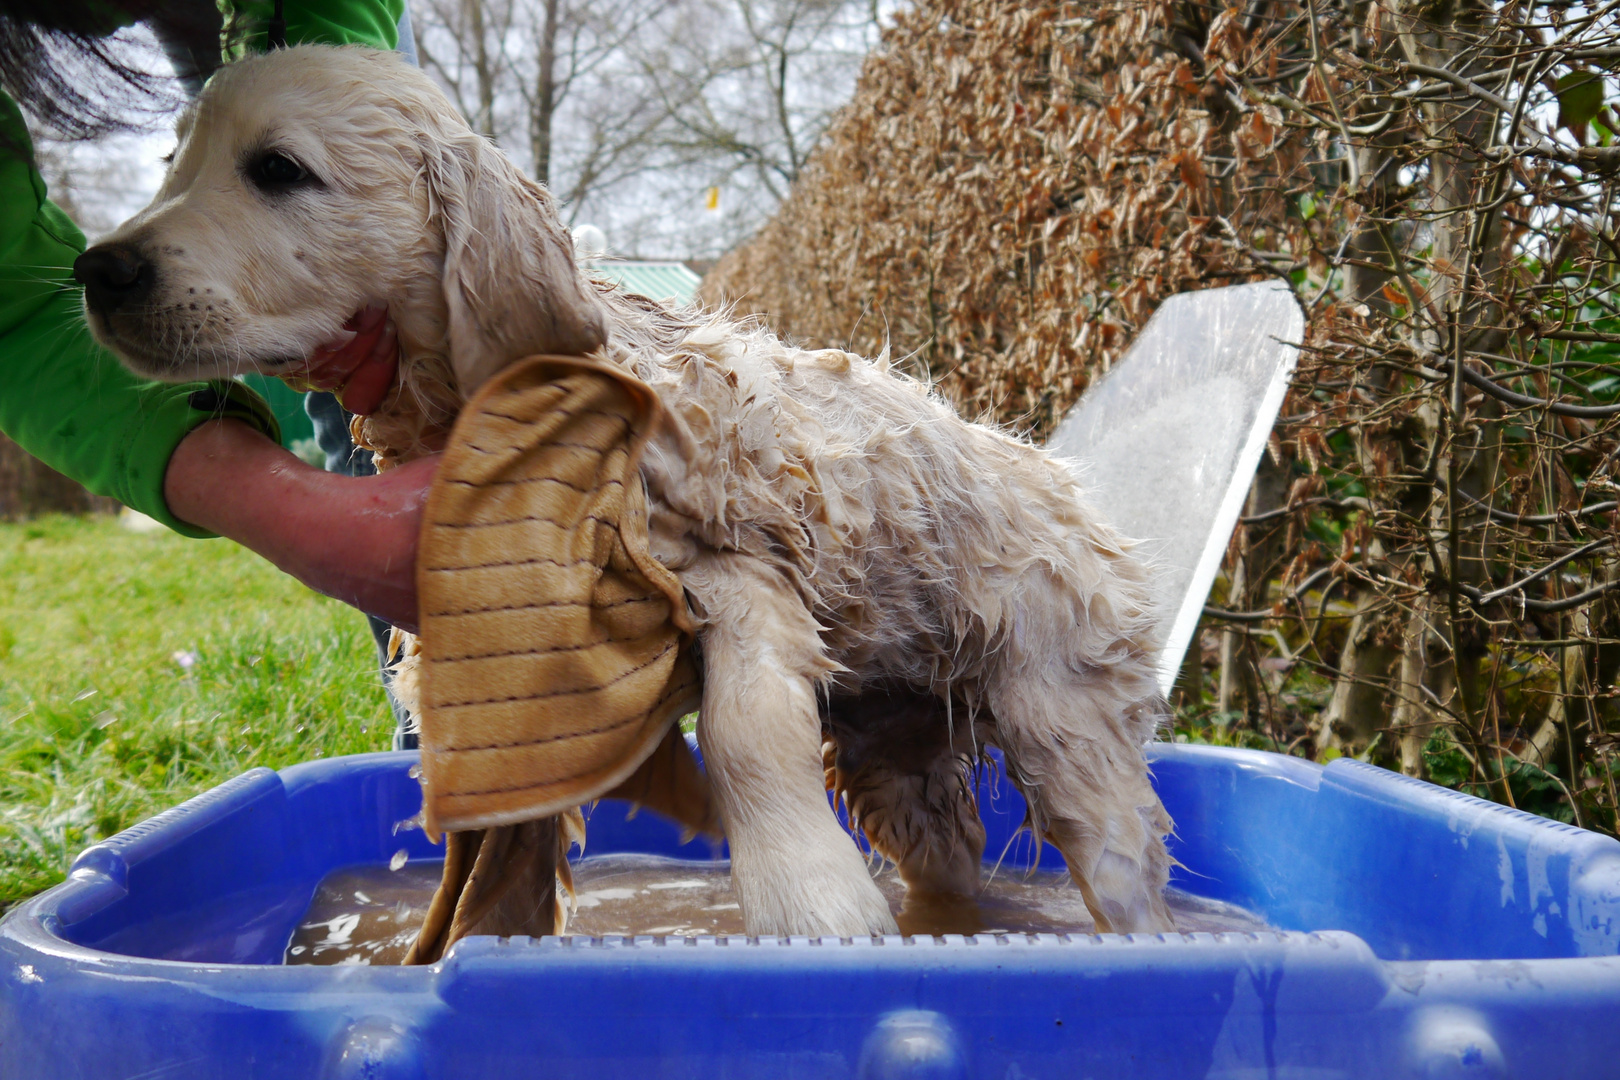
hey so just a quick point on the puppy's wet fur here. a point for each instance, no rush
(857, 555)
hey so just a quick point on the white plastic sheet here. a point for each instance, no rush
(1171, 437)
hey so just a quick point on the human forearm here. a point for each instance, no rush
(353, 539)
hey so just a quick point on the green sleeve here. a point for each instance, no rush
(322, 22)
(63, 398)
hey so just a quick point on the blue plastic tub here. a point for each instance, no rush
(1425, 934)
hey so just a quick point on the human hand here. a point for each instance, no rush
(351, 538)
(360, 369)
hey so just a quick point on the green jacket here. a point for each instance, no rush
(63, 398)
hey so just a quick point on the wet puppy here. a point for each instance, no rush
(861, 561)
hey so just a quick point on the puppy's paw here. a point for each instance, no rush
(1125, 900)
(819, 898)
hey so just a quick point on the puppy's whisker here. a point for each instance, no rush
(40, 272)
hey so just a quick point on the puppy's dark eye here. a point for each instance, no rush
(273, 171)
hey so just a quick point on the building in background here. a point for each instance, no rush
(658, 280)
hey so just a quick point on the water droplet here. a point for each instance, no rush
(415, 771)
(398, 860)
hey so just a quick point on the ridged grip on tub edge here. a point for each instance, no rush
(112, 857)
(1457, 808)
(1324, 967)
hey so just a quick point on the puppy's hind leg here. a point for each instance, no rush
(1074, 747)
(904, 770)
(794, 868)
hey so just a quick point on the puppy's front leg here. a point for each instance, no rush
(794, 868)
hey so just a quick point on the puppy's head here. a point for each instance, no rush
(310, 182)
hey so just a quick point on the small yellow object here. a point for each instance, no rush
(712, 199)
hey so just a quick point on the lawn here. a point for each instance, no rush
(139, 669)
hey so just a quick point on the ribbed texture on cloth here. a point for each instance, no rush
(554, 647)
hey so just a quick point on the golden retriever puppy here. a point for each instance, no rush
(867, 568)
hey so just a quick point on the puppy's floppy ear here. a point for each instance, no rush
(511, 288)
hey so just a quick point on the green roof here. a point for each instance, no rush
(657, 280)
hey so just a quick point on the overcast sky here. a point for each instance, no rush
(660, 212)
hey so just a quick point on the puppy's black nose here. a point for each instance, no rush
(112, 276)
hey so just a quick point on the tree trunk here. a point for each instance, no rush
(29, 487)
(1356, 712)
(1465, 252)
(484, 122)
(1413, 719)
(1239, 681)
(1571, 712)
(545, 96)
(1189, 688)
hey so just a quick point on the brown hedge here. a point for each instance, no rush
(1009, 195)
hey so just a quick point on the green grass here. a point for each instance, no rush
(106, 719)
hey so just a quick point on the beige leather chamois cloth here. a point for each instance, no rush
(555, 650)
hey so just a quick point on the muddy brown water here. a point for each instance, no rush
(370, 914)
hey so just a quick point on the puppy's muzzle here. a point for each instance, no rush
(114, 276)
